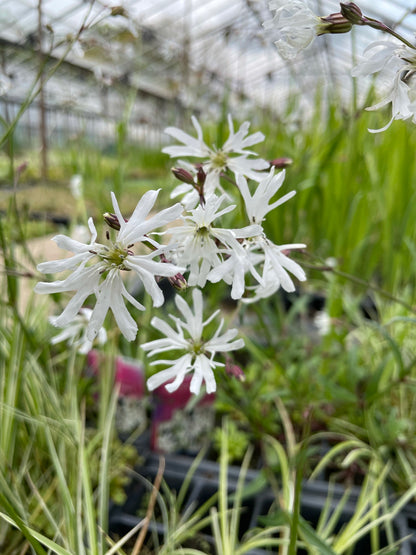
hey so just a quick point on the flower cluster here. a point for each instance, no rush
(202, 248)
(213, 253)
(396, 63)
(296, 26)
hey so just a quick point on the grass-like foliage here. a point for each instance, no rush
(340, 404)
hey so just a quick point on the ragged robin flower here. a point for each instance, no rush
(395, 62)
(97, 268)
(268, 264)
(198, 352)
(233, 155)
(295, 25)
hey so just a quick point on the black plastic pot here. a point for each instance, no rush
(204, 484)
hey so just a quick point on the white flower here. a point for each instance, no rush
(216, 161)
(234, 268)
(199, 245)
(277, 264)
(259, 250)
(257, 205)
(97, 268)
(276, 267)
(76, 186)
(265, 288)
(396, 62)
(76, 332)
(216, 254)
(199, 352)
(295, 24)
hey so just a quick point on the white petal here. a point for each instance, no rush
(191, 146)
(203, 372)
(177, 371)
(81, 278)
(250, 167)
(125, 322)
(130, 298)
(56, 266)
(130, 231)
(118, 213)
(162, 345)
(69, 244)
(72, 308)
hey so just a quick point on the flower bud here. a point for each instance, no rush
(112, 221)
(334, 23)
(201, 176)
(20, 169)
(353, 13)
(118, 10)
(183, 175)
(234, 371)
(178, 282)
(281, 162)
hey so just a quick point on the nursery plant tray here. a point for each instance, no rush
(205, 483)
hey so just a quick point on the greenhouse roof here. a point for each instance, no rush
(192, 50)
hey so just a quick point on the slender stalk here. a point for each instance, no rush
(223, 493)
(104, 478)
(359, 281)
(299, 476)
(150, 508)
(386, 29)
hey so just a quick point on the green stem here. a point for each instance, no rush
(299, 475)
(360, 281)
(382, 27)
(295, 515)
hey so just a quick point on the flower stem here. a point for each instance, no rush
(382, 27)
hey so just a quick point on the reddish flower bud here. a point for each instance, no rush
(201, 176)
(112, 221)
(281, 162)
(183, 175)
(178, 282)
(20, 169)
(353, 13)
(335, 23)
(234, 371)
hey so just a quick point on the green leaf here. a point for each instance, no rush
(311, 538)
